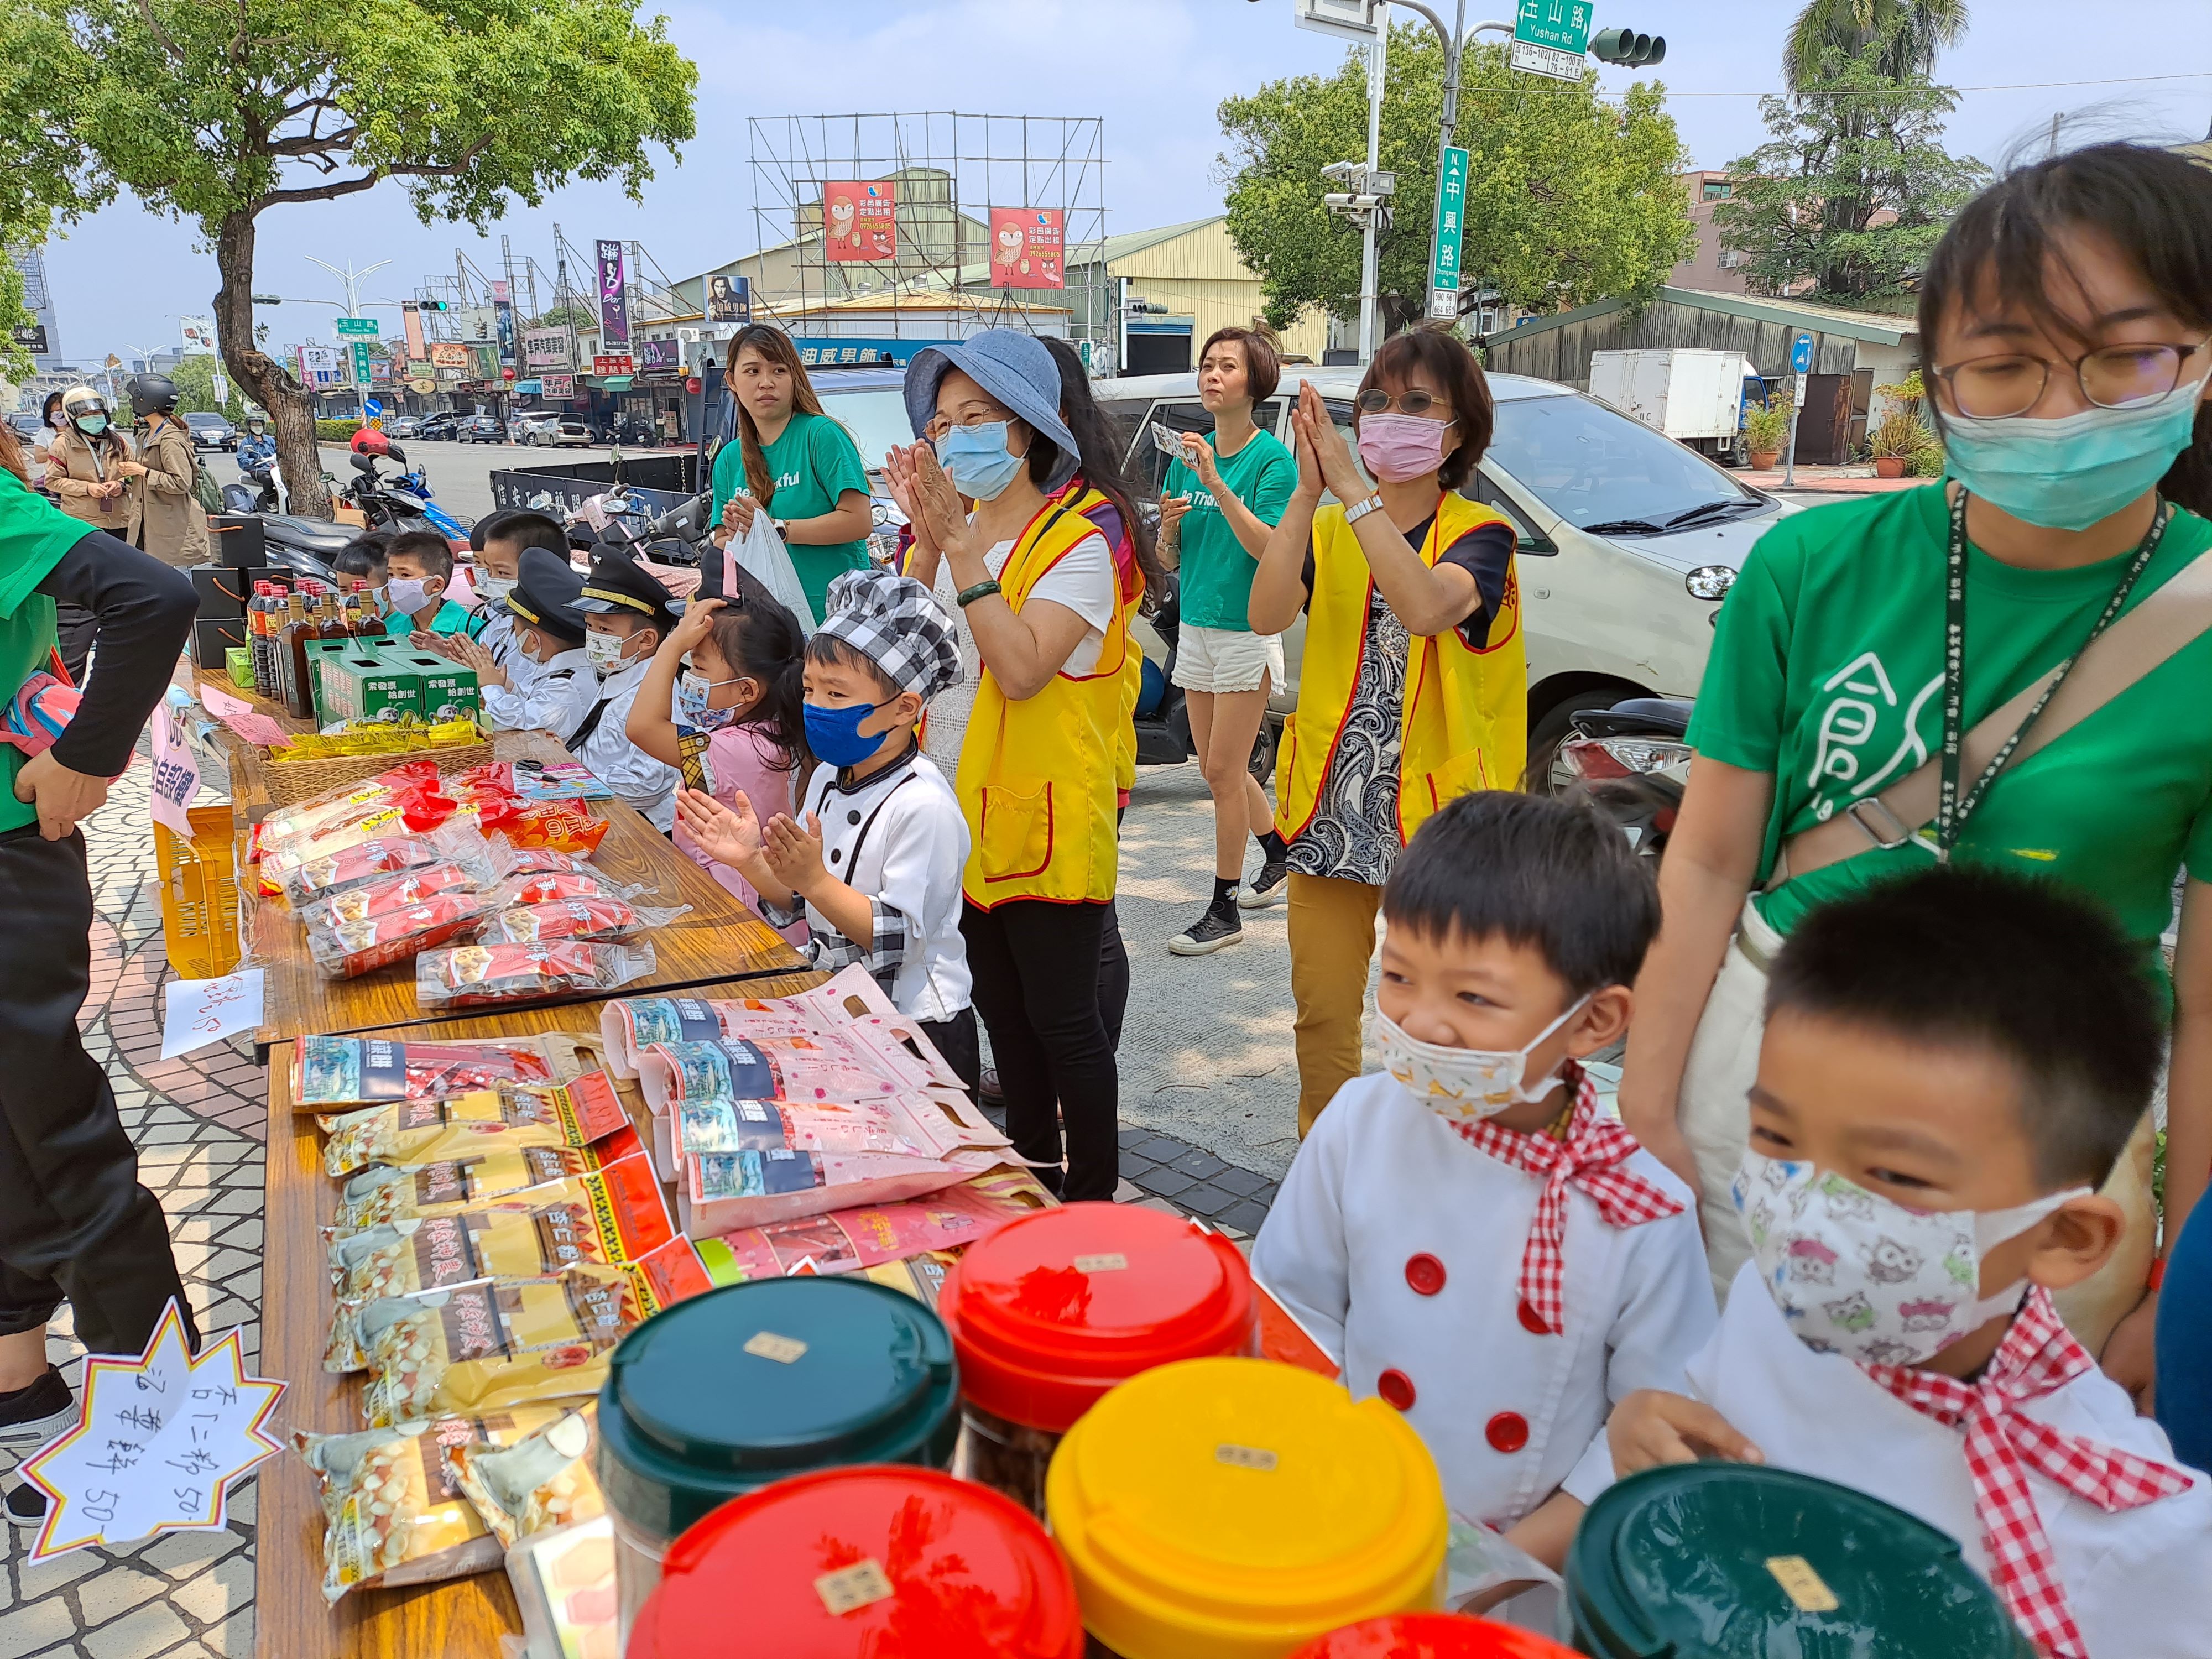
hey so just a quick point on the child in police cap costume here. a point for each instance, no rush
(874, 858)
(627, 614)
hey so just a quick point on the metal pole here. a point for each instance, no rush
(1796, 409)
(1455, 41)
(1377, 56)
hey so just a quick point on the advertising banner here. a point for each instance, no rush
(198, 334)
(1029, 247)
(614, 296)
(322, 366)
(849, 350)
(504, 316)
(449, 354)
(545, 347)
(659, 357)
(729, 299)
(411, 320)
(560, 386)
(483, 360)
(859, 219)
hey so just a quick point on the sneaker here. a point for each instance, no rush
(34, 1415)
(25, 1506)
(1208, 934)
(1271, 886)
(988, 1090)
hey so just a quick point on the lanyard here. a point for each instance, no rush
(1952, 810)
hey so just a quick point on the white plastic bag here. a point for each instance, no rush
(760, 552)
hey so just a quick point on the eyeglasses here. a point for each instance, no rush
(939, 425)
(1374, 400)
(2111, 377)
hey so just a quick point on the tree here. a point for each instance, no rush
(1570, 198)
(567, 317)
(1853, 186)
(1913, 32)
(194, 378)
(216, 113)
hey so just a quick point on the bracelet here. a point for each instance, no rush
(981, 591)
(1359, 510)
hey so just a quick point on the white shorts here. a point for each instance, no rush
(1226, 659)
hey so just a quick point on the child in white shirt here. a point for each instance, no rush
(1468, 1233)
(1951, 1065)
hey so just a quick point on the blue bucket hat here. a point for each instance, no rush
(1015, 369)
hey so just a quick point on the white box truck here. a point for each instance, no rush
(1694, 396)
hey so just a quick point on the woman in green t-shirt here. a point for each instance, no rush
(793, 462)
(2066, 325)
(1218, 503)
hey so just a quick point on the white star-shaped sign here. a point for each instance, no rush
(158, 1440)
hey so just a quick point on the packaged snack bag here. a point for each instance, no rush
(867, 1237)
(491, 976)
(634, 1024)
(353, 948)
(378, 898)
(544, 1480)
(386, 1192)
(829, 1067)
(604, 918)
(328, 1071)
(394, 1511)
(707, 1125)
(563, 826)
(552, 887)
(512, 1115)
(350, 803)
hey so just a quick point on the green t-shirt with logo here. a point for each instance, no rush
(34, 534)
(813, 461)
(1828, 672)
(1217, 571)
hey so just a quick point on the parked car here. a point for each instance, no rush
(526, 427)
(404, 426)
(567, 432)
(1627, 540)
(28, 427)
(211, 431)
(439, 428)
(480, 429)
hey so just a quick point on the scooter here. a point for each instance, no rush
(1631, 764)
(1162, 716)
(387, 507)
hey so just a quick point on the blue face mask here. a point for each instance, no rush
(975, 458)
(834, 736)
(2076, 471)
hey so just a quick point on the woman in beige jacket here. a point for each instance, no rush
(88, 464)
(166, 519)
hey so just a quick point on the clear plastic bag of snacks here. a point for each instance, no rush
(595, 920)
(490, 975)
(542, 1482)
(386, 1192)
(332, 1070)
(307, 880)
(351, 949)
(399, 892)
(552, 887)
(509, 1115)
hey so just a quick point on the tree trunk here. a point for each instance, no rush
(291, 408)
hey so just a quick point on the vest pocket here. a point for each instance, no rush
(1462, 774)
(1016, 830)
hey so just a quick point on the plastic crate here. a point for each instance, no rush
(199, 894)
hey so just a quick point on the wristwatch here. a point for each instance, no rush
(1359, 510)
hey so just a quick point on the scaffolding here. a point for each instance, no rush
(951, 169)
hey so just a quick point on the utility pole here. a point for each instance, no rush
(1377, 57)
(1456, 41)
(351, 278)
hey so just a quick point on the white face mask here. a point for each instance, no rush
(1466, 1084)
(1860, 1275)
(604, 652)
(493, 588)
(408, 594)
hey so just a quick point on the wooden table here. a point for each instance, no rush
(191, 676)
(462, 1618)
(718, 938)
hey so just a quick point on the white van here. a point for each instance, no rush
(1627, 539)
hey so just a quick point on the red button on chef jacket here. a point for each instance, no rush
(1425, 1274)
(1397, 1387)
(1507, 1432)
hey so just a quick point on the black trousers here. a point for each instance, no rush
(73, 1221)
(1113, 976)
(74, 629)
(956, 1039)
(1036, 969)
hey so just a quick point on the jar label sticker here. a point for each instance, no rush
(1113, 1262)
(1803, 1586)
(1244, 1457)
(850, 1589)
(767, 1344)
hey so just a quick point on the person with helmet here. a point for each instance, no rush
(256, 455)
(88, 470)
(166, 517)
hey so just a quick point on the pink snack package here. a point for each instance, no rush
(868, 1235)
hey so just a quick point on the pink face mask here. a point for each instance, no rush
(1396, 447)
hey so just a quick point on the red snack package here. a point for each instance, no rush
(552, 889)
(483, 975)
(387, 856)
(378, 898)
(563, 826)
(353, 948)
(608, 917)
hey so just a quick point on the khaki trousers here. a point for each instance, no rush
(1332, 942)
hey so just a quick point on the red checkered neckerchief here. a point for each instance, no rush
(2038, 1357)
(1591, 1156)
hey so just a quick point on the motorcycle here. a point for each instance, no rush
(1630, 762)
(263, 492)
(401, 502)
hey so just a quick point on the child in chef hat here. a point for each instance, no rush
(1467, 1232)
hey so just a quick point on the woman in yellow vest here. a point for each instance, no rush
(1415, 685)
(1037, 586)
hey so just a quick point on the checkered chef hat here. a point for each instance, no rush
(894, 623)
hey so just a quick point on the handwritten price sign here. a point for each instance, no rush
(199, 1012)
(159, 1441)
(176, 774)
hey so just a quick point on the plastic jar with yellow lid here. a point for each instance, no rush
(1233, 1508)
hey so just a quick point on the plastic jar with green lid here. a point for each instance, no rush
(1050, 1312)
(1233, 1508)
(1739, 1561)
(725, 1393)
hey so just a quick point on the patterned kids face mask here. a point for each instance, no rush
(1859, 1274)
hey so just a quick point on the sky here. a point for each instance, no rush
(1152, 71)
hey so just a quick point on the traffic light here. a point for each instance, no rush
(430, 305)
(1627, 46)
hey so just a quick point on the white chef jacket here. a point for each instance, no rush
(646, 784)
(2134, 1579)
(898, 836)
(555, 697)
(498, 638)
(1382, 1195)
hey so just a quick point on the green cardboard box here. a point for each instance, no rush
(318, 652)
(364, 685)
(449, 691)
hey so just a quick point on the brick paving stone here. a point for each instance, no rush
(1204, 1165)
(1167, 1184)
(1243, 1182)
(147, 1630)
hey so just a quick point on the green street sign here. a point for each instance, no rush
(1451, 205)
(360, 362)
(364, 327)
(1561, 25)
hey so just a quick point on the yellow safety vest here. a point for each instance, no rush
(1465, 724)
(1036, 778)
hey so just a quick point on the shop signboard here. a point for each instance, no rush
(614, 295)
(620, 363)
(559, 385)
(889, 353)
(449, 354)
(729, 299)
(660, 357)
(545, 347)
(860, 220)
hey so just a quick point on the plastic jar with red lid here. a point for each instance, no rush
(881, 1561)
(1432, 1635)
(1048, 1313)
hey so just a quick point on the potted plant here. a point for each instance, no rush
(1764, 431)
(1899, 437)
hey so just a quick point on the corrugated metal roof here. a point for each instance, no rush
(1877, 327)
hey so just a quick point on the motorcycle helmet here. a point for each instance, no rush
(368, 441)
(80, 404)
(151, 394)
(256, 425)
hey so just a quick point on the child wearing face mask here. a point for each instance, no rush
(1951, 1064)
(422, 566)
(724, 702)
(497, 541)
(872, 862)
(627, 614)
(557, 692)
(1465, 1231)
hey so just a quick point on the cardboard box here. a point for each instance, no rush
(212, 636)
(449, 690)
(238, 540)
(223, 589)
(318, 652)
(361, 685)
